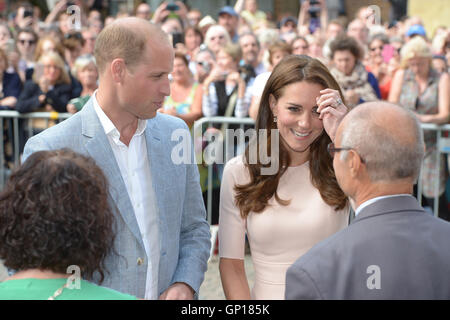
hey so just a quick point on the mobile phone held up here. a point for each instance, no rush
(172, 7)
(177, 37)
(27, 13)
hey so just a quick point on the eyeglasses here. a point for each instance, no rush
(30, 42)
(74, 35)
(332, 150)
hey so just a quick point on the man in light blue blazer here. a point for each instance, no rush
(162, 236)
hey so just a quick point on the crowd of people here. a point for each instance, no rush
(300, 75)
(223, 62)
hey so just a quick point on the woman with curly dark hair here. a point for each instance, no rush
(55, 219)
(288, 200)
(357, 84)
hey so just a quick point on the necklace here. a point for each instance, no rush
(58, 292)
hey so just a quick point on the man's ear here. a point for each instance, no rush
(118, 69)
(354, 163)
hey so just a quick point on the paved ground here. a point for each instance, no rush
(211, 288)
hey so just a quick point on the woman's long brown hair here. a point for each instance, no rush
(254, 196)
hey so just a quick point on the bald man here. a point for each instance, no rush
(393, 249)
(162, 238)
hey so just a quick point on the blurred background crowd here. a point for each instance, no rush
(225, 51)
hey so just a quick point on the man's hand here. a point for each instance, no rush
(71, 108)
(178, 291)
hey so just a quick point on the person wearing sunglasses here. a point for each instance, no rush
(393, 249)
(26, 41)
(377, 65)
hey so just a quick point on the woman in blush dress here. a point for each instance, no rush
(287, 204)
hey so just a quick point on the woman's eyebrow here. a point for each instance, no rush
(295, 104)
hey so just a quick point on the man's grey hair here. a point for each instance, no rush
(249, 33)
(387, 157)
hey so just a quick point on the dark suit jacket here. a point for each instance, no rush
(58, 97)
(393, 249)
(11, 85)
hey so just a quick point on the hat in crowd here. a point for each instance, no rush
(207, 20)
(287, 19)
(228, 10)
(416, 29)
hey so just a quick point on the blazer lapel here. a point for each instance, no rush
(99, 148)
(158, 168)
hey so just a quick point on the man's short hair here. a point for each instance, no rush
(387, 157)
(119, 40)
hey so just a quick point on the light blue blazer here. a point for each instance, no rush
(183, 228)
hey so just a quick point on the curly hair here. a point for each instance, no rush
(345, 43)
(54, 213)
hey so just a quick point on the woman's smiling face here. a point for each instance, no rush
(297, 118)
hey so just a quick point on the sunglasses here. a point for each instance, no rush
(75, 35)
(23, 41)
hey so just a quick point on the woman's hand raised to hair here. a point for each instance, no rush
(332, 110)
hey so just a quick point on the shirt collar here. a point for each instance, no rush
(373, 200)
(109, 127)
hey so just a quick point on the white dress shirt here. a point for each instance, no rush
(134, 167)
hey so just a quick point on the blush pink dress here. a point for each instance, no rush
(280, 234)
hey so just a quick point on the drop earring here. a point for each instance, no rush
(275, 119)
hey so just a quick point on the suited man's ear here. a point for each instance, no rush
(354, 163)
(118, 69)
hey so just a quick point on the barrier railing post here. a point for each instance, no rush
(16, 141)
(2, 155)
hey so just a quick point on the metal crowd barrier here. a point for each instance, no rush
(198, 129)
(15, 116)
(443, 144)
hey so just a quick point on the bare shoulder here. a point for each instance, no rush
(444, 78)
(399, 74)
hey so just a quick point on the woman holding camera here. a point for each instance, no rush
(50, 90)
(225, 89)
